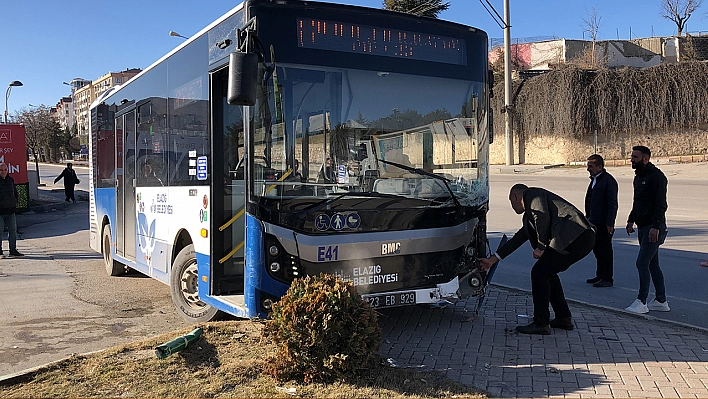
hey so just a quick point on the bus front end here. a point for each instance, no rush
(367, 155)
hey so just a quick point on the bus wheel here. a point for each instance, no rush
(184, 282)
(113, 268)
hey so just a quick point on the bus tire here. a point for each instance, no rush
(113, 268)
(184, 282)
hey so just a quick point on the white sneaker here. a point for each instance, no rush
(637, 307)
(656, 305)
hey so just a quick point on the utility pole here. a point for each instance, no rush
(507, 86)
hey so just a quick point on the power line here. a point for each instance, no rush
(497, 18)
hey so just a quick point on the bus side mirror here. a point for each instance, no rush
(243, 77)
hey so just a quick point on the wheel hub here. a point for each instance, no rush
(189, 286)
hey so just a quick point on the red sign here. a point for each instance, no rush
(13, 151)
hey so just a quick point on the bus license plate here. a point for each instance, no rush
(388, 300)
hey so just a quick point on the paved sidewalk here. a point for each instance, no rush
(609, 354)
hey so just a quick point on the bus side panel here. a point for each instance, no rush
(254, 263)
(254, 271)
(203, 263)
(105, 202)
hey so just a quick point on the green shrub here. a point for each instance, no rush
(323, 330)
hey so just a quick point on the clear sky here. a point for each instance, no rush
(44, 43)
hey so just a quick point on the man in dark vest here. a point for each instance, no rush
(560, 236)
(601, 210)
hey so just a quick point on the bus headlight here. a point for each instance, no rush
(275, 267)
(273, 250)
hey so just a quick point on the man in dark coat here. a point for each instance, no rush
(8, 207)
(70, 180)
(560, 236)
(649, 213)
(601, 210)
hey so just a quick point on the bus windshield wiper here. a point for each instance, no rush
(423, 172)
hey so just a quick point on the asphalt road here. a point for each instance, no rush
(48, 172)
(58, 300)
(685, 247)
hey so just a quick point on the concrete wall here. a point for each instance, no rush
(618, 53)
(544, 54)
(611, 53)
(557, 149)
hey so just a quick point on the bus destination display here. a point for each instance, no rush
(362, 39)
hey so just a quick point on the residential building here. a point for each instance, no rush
(65, 113)
(85, 95)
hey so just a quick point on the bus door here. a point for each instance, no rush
(228, 192)
(125, 188)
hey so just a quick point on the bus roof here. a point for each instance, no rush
(176, 49)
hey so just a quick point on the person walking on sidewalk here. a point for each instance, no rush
(70, 180)
(649, 213)
(8, 207)
(560, 236)
(601, 210)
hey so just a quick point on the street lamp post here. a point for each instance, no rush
(7, 94)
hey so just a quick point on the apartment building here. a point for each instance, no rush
(84, 96)
(65, 113)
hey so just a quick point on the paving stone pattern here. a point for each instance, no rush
(609, 354)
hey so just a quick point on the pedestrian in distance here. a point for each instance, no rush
(601, 210)
(560, 235)
(70, 180)
(649, 214)
(8, 207)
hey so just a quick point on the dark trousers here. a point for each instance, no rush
(603, 253)
(546, 285)
(648, 265)
(69, 192)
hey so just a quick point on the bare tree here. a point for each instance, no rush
(679, 11)
(426, 8)
(591, 25)
(40, 125)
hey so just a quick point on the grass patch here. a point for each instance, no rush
(226, 361)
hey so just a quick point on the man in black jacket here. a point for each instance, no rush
(70, 180)
(8, 207)
(601, 210)
(649, 213)
(560, 236)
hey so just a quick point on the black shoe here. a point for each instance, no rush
(565, 323)
(603, 283)
(534, 328)
(14, 252)
(593, 280)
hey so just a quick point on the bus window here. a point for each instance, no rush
(152, 153)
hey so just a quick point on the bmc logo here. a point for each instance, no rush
(391, 248)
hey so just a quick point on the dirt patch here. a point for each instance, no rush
(226, 361)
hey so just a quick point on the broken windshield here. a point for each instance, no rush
(320, 132)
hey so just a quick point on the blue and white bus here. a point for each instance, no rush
(290, 138)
